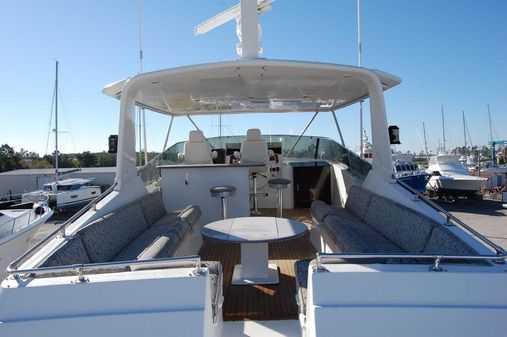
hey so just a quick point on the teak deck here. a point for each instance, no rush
(262, 302)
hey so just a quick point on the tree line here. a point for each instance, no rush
(23, 159)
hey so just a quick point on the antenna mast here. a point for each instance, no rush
(56, 122)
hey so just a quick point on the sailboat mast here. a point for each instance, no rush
(465, 132)
(490, 129)
(425, 143)
(142, 113)
(56, 123)
(443, 127)
(359, 59)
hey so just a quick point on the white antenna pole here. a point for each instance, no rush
(443, 126)
(56, 123)
(141, 110)
(249, 29)
(359, 52)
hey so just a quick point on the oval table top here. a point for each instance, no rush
(254, 229)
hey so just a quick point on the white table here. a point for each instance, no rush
(254, 234)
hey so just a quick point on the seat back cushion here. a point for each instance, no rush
(358, 201)
(402, 226)
(320, 210)
(357, 237)
(107, 236)
(443, 241)
(190, 214)
(72, 252)
(153, 207)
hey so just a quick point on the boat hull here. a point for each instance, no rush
(455, 185)
(417, 181)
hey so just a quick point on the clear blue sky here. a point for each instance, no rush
(450, 53)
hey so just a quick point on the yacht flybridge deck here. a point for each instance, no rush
(376, 260)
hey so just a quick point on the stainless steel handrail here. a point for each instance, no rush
(14, 264)
(437, 258)
(78, 269)
(499, 250)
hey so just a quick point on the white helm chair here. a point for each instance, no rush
(254, 150)
(197, 150)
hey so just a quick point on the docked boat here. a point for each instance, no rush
(409, 173)
(172, 248)
(451, 178)
(63, 194)
(18, 222)
(66, 193)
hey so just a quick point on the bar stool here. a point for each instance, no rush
(223, 192)
(279, 184)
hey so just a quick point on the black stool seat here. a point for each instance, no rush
(278, 183)
(222, 191)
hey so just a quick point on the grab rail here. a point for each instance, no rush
(14, 264)
(437, 259)
(79, 269)
(499, 250)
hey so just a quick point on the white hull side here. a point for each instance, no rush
(13, 246)
(456, 183)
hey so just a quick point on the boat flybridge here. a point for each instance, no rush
(155, 255)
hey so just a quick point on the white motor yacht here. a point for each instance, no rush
(450, 177)
(18, 222)
(66, 193)
(162, 252)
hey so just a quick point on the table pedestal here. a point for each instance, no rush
(254, 267)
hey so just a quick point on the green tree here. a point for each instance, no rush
(105, 159)
(9, 159)
(86, 159)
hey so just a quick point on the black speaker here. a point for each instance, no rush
(113, 144)
(394, 134)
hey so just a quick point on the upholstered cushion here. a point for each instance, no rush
(402, 226)
(155, 242)
(153, 207)
(253, 134)
(72, 252)
(321, 210)
(197, 150)
(190, 214)
(443, 241)
(357, 237)
(107, 236)
(254, 149)
(301, 269)
(358, 201)
(176, 224)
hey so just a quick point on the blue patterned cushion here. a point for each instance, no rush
(190, 214)
(402, 226)
(320, 211)
(155, 242)
(358, 201)
(153, 207)
(443, 241)
(72, 252)
(173, 223)
(357, 237)
(107, 236)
